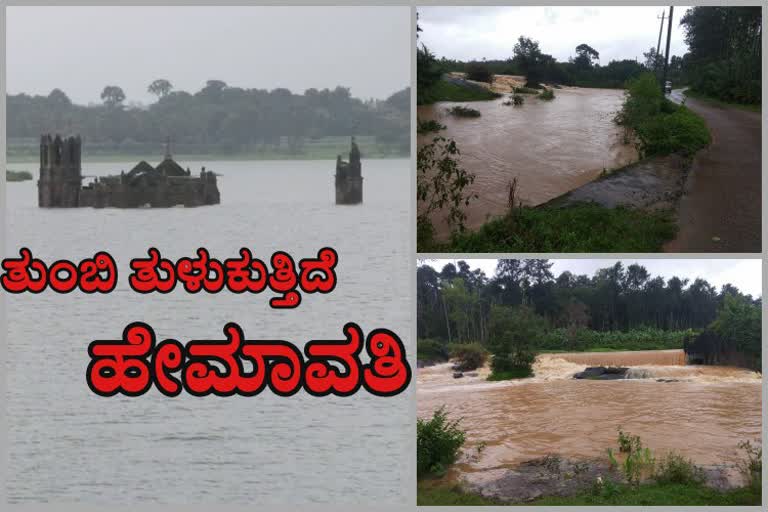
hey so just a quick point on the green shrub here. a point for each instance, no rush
(438, 442)
(469, 356)
(661, 126)
(676, 469)
(17, 176)
(548, 94)
(431, 350)
(429, 126)
(520, 372)
(462, 111)
(515, 100)
(479, 73)
(639, 461)
(752, 465)
(525, 90)
(641, 338)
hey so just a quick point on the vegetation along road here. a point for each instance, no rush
(720, 211)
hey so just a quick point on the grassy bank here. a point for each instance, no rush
(569, 229)
(429, 493)
(660, 495)
(13, 176)
(720, 103)
(449, 91)
(661, 126)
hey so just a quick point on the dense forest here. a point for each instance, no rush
(216, 119)
(617, 307)
(724, 60)
(725, 52)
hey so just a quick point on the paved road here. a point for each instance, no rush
(720, 210)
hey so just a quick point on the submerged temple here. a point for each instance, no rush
(167, 184)
(349, 179)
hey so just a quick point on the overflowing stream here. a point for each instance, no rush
(551, 147)
(702, 412)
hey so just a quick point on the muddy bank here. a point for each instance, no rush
(553, 475)
(656, 183)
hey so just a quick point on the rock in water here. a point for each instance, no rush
(602, 373)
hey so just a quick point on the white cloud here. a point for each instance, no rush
(491, 32)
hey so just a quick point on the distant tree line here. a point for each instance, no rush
(455, 304)
(724, 60)
(218, 118)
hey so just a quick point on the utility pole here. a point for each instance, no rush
(658, 45)
(666, 57)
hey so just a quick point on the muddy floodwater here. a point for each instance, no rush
(702, 412)
(551, 147)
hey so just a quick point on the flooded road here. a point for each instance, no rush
(551, 147)
(702, 412)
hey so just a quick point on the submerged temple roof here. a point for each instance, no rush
(170, 168)
(141, 168)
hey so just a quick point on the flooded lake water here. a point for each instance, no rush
(67, 444)
(551, 147)
(702, 412)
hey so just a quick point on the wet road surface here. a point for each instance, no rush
(721, 208)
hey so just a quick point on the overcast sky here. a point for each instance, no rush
(82, 49)
(745, 274)
(617, 33)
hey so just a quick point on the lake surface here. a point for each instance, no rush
(551, 147)
(703, 414)
(67, 444)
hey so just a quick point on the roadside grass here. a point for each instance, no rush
(720, 103)
(447, 91)
(581, 227)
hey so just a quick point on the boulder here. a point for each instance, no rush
(603, 373)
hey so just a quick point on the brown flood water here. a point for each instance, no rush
(704, 415)
(551, 147)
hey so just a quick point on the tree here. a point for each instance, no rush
(585, 54)
(725, 51)
(653, 60)
(113, 96)
(514, 334)
(739, 323)
(479, 72)
(529, 59)
(57, 99)
(160, 88)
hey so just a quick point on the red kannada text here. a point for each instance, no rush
(237, 366)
